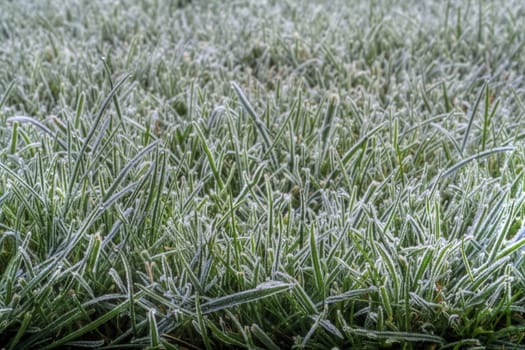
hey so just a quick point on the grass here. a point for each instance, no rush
(262, 174)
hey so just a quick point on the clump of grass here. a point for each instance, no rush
(284, 175)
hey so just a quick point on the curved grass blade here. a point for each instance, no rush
(479, 155)
(472, 115)
(349, 295)
(258, 122)
(127, 168)
(115, 99)
(358, 145)
(21, 181)
(262, 291)
(38, 124)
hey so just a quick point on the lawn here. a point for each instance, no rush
(262, 174)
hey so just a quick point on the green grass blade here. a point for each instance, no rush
(479, 155)
(21, 331)
(473, 112)
(211, 159)
(38, 124)
(89, 327)
(262, 291)
(86, 141)
(316, 263)
(201, 323)
(264, 338)
(7, 92)
(120, 177)
(154, 335)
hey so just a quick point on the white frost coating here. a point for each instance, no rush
(272, 284)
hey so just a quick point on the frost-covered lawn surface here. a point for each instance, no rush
(262, 174)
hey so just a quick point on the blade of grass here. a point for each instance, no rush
(210, 157)
(261, 128)
(38, 124)
(328, 126)
(120, 177)
(115, 99)
(21, 331)
(154, 335)
(7, 93)
(263, 290)
(86, 141)
(472, 116)
(479, 155)
(201, 323)
(264, 338)
(316, 262)
(89, 327)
